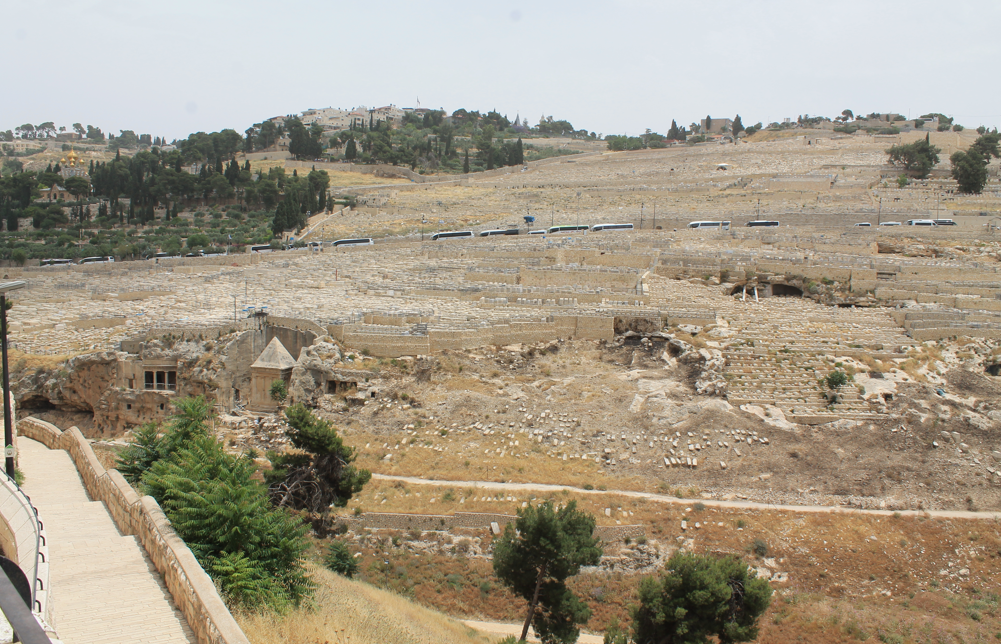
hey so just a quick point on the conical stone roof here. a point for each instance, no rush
(274, 356)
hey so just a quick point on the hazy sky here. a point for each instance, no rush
(178, 66)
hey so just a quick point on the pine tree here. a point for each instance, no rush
(699, 596)
(319, 474)
(534, 558)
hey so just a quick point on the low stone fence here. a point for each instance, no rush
(189, 585)
(473, 520)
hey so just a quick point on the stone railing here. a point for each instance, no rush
(189, 585)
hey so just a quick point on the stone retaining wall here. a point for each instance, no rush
(470, 520)
(191, 588)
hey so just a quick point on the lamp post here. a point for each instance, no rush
(8, 429)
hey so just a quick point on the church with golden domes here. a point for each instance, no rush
(72, 166)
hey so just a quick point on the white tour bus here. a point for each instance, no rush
(55, 262)
(360, 241)
(921, 222)
(719, 225)
(505, 231)
(96, 260)
(452, 234)
(568, 229)
(601, 227)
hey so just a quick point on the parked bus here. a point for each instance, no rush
(261, 248)
(944, 222)
(55, 262)
(452, 234)
(762, 223)
(601, 227)
(506, 231)
(360, 241)
(921, 222)
(96, 260)
(541, 231)
(719, 225)
(567, 229)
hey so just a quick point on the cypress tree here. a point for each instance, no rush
(519, 153)
(465, 164)
(674, 133)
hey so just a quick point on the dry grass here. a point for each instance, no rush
(851, 577)
(450, 464)
(353, 612)
(21, 361)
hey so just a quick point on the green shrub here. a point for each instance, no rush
(340, 560)
(759, 547)
(836, 378)
(278, 391)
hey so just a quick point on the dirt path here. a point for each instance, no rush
(663, 498)
(501, 628)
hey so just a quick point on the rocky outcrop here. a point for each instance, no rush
(316, 366)
(79, 384)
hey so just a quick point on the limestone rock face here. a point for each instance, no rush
(79, 384)
(315, 367)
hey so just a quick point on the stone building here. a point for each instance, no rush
(274, 363)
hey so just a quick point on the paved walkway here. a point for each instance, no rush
(104, 587)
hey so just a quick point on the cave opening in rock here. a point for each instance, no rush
(786, 290)
(993, 369)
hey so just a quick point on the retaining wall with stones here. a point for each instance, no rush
(189, 585)
(469, 520)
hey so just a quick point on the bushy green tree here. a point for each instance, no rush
(536, 555)
(255, 552)
(917, 158)
(969, 169)
(988, 145)
(145, 448)
(697, 597)
(319, 472)
(340, 560)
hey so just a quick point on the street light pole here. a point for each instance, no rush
(8, 426)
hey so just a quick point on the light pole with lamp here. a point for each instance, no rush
(8, 428)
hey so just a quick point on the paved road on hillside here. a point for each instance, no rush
(103, 587)
(663, 498)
